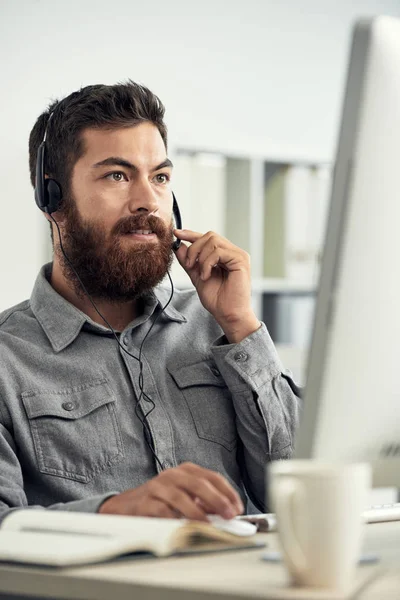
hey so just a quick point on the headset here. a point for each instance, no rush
(48, 193)
(48, 197)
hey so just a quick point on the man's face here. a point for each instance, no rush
(117, 228)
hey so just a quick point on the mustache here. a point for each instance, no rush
(149, 222)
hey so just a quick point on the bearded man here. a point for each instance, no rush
(116, 397)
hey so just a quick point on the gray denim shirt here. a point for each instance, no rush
(69, 435)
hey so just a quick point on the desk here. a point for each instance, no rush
(237, 575)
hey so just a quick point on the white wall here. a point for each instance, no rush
(255, 76)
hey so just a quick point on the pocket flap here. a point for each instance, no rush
(68, 403)
(201, 373)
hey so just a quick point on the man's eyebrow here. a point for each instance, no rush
(122, 162)
(166, 163)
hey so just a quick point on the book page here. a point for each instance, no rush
(144, 532)
(59, 550)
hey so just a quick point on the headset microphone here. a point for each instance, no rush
(178, 221)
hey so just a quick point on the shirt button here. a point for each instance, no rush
(68, 405)
(215, 371)
(241, 356)
(166, 464)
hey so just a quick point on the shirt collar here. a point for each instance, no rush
(62, 321)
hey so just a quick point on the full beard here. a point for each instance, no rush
(109, 268)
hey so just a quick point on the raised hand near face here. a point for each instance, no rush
(220, 272)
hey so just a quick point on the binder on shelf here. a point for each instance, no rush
(289, 318)
(294, 218)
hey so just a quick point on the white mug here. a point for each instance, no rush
(319, 508)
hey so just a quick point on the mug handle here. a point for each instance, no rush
(290, 491)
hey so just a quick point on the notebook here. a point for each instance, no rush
(63, 538)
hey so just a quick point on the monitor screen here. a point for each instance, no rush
(352, 396)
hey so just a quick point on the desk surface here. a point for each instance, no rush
(234, 575)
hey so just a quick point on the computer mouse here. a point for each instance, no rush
(234, 526)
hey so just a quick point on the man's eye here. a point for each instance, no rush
(162, 178)
(116, 176)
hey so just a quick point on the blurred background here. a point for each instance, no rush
(253, 93)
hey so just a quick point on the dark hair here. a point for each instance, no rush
(96, 106)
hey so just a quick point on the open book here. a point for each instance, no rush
(62, 538)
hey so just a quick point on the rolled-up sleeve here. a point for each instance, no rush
(266, 405)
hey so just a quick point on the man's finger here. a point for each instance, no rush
(208, 243)
(218, 481)
(181, 254)
(187, 235)
(178, 500)
(209, 496)
(158, 508)
(199, 487)
(194, 273)
(229, 259)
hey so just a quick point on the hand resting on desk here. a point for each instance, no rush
(186, 491)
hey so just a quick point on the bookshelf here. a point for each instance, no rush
(276, 210)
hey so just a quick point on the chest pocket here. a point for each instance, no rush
(75, 430)
(209, 402)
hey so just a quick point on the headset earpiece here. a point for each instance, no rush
(54, 195)
(48, 194)
(178, 221)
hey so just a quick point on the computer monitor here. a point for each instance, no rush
(352, 396)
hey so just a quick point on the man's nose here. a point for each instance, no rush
(143, 198)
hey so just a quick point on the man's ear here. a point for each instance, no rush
(58, 216)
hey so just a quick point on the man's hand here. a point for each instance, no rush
(220, 272)
(186, 491)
